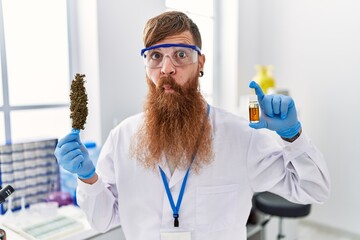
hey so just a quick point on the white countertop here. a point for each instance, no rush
(74, 212)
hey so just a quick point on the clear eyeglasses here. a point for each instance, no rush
(180, 54)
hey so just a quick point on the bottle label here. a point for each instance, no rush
(254, 113)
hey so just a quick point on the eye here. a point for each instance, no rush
(181, 54)
(155, 55)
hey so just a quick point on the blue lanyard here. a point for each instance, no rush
(176, 208)
(181, 194)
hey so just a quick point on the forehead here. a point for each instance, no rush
(184, 37)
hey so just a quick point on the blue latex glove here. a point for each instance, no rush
(278, 113)
(73, 156)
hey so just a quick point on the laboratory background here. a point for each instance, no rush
(312, 46)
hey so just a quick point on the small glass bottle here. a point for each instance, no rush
(254, 111)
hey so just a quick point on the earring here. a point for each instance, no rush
(201, 73)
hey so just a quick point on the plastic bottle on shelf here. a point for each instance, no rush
(93, 150)
(264, 78)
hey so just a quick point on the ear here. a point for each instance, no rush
(201, 62)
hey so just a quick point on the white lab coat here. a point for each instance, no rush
(217, 201)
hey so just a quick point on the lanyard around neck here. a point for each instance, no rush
(176, 208)
(171, 200)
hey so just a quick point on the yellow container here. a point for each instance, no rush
(264, 78)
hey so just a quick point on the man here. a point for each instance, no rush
(183, 169)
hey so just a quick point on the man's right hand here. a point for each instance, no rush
(73, 156)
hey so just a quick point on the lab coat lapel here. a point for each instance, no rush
(178, 176)
(164, 166)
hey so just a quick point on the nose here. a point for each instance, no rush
(168, 67)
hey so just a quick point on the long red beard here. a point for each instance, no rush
(176, 126)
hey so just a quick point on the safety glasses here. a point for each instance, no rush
(179, 54)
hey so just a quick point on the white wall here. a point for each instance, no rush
(122, 77)
(249, 40)
(226, 27)
(315, 48)
(85, 59)
(107, 39)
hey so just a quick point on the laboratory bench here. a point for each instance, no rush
(80, 230)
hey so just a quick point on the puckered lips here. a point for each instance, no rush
(168, 88)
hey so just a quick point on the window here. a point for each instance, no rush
(35, 69)
(201, 12)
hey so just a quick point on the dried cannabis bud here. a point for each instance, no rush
(78, 102)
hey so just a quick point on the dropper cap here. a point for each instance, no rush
(253, 96)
